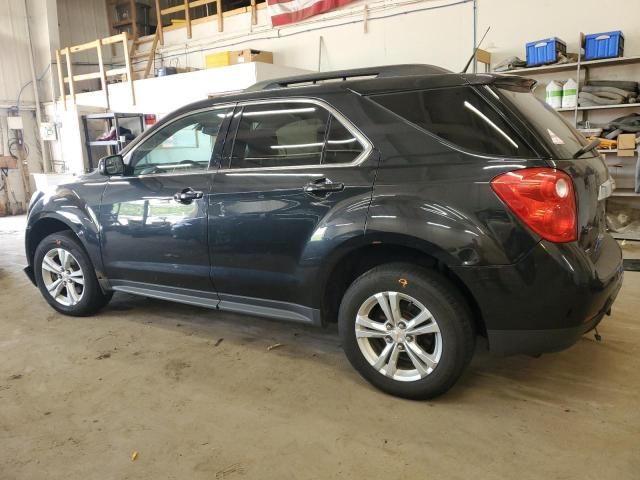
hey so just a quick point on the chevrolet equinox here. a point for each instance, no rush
(415, 207)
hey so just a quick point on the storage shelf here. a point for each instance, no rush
(607, 150)
(625, 193)
(626, 236)
(603, 62)
(600, 107)
(606, 62)
(563, 67)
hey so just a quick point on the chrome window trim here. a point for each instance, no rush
(210, 168)
(364, 141)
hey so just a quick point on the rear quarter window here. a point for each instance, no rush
(460, 116)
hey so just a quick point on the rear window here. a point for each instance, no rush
(551, 129)
(460, 116)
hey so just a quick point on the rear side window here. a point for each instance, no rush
(551, 128)
(291, 134)
(458, 115)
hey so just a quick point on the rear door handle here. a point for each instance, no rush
(187, 195)
(323, 186)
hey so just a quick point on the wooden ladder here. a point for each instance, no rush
(135, 55)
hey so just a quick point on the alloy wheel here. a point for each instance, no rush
(63, 277)
(398, 336)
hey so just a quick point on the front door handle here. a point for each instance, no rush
(323, 186)
(187, 195)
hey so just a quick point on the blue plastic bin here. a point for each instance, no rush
(603, 45)
(542, 52)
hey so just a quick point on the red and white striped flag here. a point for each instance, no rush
(289, 11)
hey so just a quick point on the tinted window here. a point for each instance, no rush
(460, 116)
(552, 129)
(342, 146)
(275, 135)
(184, 145)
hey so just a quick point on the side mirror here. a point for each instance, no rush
(111, 165)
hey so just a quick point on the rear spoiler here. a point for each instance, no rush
(500, 80)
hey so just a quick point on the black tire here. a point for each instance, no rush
(441, 298)
(93, 298)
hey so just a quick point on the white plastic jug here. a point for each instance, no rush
(569, 94)
(553, 94)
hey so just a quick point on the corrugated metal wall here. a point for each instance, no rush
(14, 59)
(82, 21)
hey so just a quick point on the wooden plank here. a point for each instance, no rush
(116, 71)
(83, 76)
(187, 17)
(113, 39)
(7, 161)
(84, 46)
(152, 56)
(145, 39)
(133, 13)
(159, 22)
(103, 77)
(63, 92)
(254, 13)
(220, 15)
(127, 61)
(72, 89)
(200, 3)
(170, 10)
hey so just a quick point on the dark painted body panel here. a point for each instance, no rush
(76, 205)
(270, 238)
(149, 237)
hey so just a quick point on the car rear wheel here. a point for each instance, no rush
(65, 276)
(406, 330)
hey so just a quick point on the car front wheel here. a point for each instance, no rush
(406, 330)
(66, 277)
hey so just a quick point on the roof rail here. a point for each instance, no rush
(376, 72)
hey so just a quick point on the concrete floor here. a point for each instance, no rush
(199, 396)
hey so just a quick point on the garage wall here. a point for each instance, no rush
(82, 21)
(429, 31)
(14, 54)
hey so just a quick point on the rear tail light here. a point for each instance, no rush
(543, 198)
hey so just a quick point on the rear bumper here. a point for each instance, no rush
(542, 341)
(549, 299)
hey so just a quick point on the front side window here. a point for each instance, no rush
(458, 115)
(184, 145)
(291, 134)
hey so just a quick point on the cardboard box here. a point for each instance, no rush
(627, 141)
(626, 153)
(223, 59)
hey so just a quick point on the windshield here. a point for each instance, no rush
(551, 129)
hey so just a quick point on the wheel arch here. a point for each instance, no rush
(42, 228)
(50, 222)
(344, 269)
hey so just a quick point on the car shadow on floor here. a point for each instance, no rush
(518, 377)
